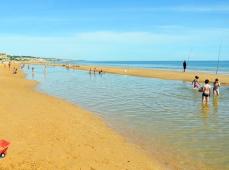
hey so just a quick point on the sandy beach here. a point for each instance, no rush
(49, 133)
(156, 73)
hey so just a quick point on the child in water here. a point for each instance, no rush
(196, 83)
(216, 86)
(206, 92)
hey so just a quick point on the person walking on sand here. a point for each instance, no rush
(196, 83)
(9, 65)
(216, 86)
(206, 91)
(184, 65)
(15, 70)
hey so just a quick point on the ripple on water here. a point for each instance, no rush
(164, 117)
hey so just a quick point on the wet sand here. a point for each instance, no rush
(49, 133)
(156, 73)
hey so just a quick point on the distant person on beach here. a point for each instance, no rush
(184, 65)
(33, 73)
(206, 89)
(94, 70)
(196, 83)
(45, 70)
(9, 65)
(28, 66)
(216, 86)
(100, 71)
(90, 71)
(22, 66)
(15, 70)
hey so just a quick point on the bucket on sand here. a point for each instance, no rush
(3, 147)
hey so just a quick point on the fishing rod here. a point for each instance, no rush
(219, 53)
(189, 54)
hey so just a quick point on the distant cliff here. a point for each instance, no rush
(5, 57)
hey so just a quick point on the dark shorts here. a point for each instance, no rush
(205, 95)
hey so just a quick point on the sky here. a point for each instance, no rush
(116, 30)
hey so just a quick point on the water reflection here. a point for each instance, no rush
(205, 110)
(45, 72)
(216, 104)
(33, 75)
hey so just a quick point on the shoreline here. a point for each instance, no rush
(49, 133)
(167, 74)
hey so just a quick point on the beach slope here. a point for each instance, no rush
(49, 133)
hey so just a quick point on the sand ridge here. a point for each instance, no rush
(156, 73)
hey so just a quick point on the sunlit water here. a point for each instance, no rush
(164, 117)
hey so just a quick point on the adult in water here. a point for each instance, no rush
(206, 92)
(184, 65)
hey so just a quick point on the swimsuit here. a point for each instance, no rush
(216, 86)
(205, 95)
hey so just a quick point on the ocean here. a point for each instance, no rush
(164, 117)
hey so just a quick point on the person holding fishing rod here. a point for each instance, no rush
(184, 65)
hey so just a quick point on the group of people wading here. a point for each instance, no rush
(206, 88)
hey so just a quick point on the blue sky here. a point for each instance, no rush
(115, 30)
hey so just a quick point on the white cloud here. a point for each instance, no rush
(126, 37)
(105, 45)
(215, 8)
(177, 8)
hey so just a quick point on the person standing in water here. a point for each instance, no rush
(184, 65)
(216, 86)
(206, 92)
(196, 83)
(33, 72)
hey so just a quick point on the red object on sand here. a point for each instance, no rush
(3, 147)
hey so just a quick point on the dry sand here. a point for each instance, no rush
(51, 134)
(162, 74)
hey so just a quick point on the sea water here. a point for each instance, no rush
(166, 118)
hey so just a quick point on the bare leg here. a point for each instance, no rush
(214, 92)
(217, 91)
(207, 99)
(203, 99)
